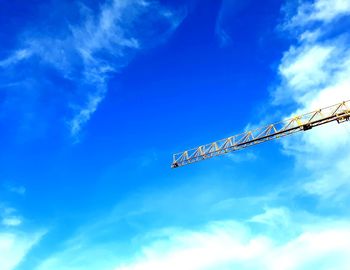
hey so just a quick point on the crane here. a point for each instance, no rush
(339, 112)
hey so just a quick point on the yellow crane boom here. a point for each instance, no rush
(339, 112)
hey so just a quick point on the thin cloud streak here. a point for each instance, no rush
(16, 57)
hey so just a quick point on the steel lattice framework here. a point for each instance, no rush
(339, 112)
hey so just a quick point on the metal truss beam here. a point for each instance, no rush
(339, 112)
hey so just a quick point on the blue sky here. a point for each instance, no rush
(96, 96)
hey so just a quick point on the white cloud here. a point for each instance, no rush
(328, 10)
(8, 217)
(15, 246)
(217, 245)
(315, 73)
(12, 221)
(323, 11)
(304, 69)
(316, 249)
(15, 242)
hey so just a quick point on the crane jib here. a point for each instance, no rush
(339, 112)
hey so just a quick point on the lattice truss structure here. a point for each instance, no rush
(339, 112)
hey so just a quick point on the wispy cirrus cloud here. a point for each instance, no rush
(89, 51)
(227, 10)
(16, 57)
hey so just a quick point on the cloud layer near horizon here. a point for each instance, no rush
(304, 241)
(228, 245)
